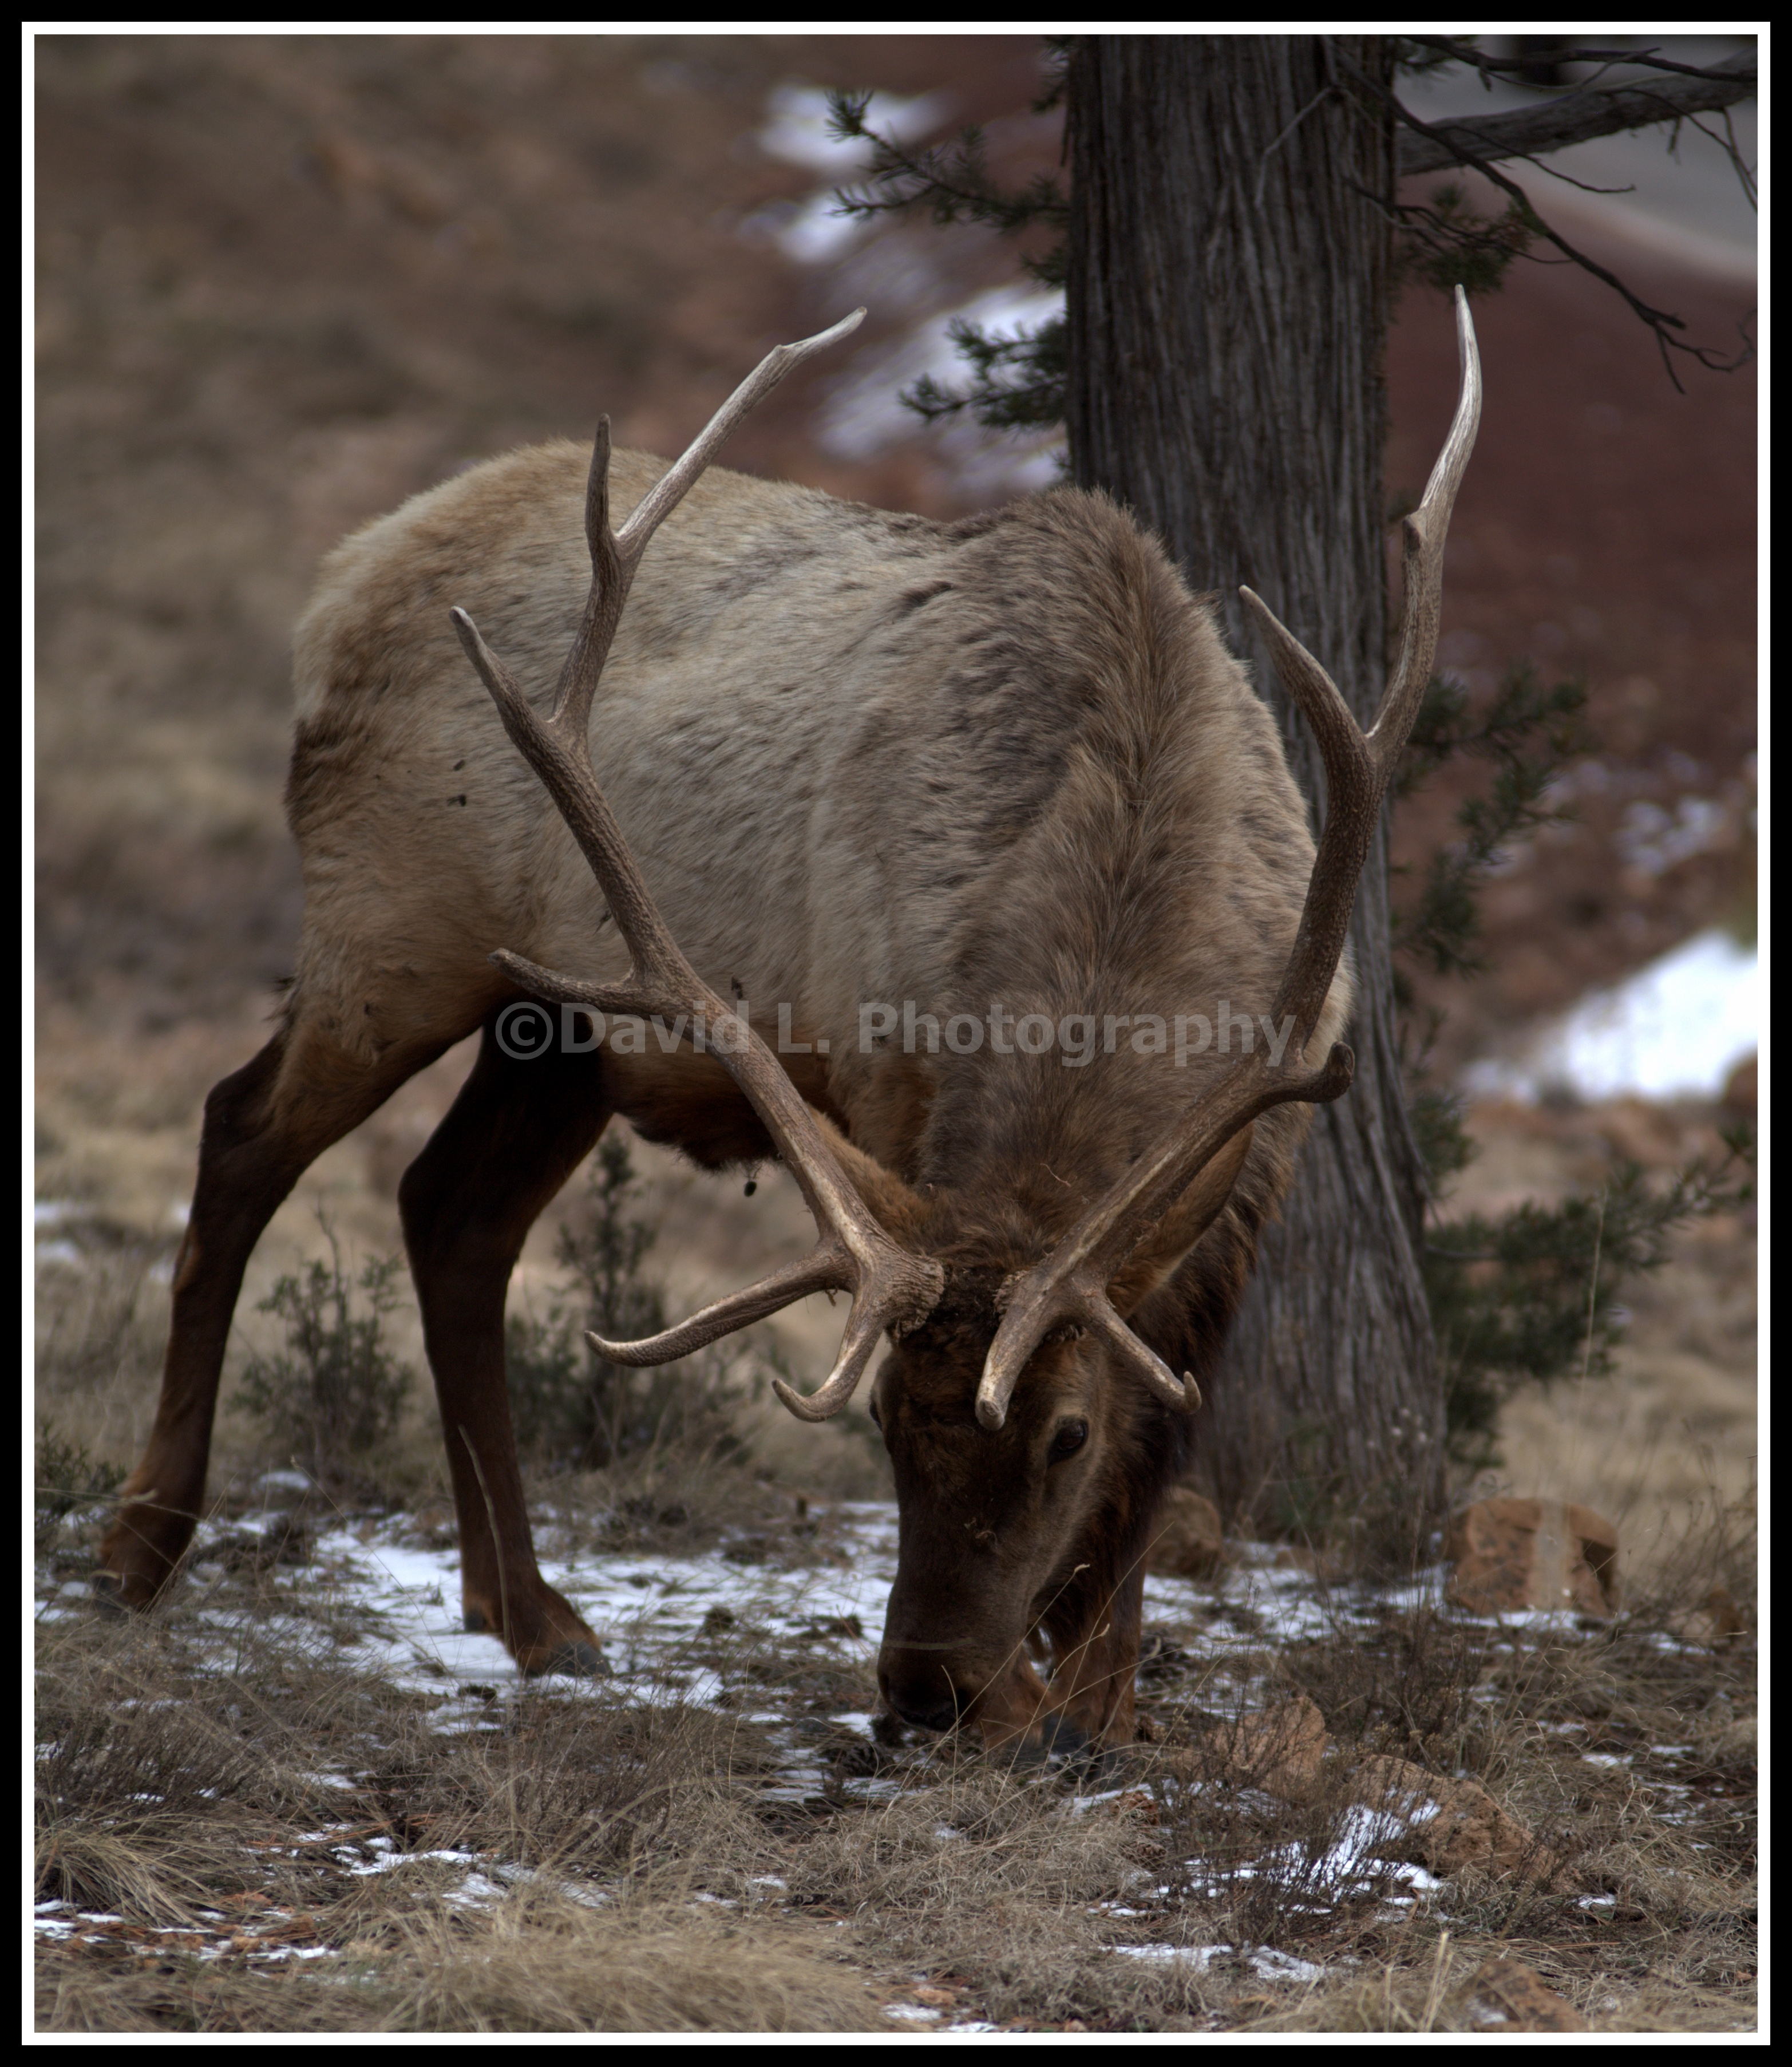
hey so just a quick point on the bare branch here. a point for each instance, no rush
(1659, 320)
(1464, 52)
(1570, 117)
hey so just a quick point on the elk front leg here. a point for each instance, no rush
(517, 1130)
(264, 1127)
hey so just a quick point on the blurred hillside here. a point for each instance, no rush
(285, 281)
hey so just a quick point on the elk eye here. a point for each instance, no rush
(1069, 1440)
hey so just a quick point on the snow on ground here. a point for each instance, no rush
(656, 1614)
(1674, 1028)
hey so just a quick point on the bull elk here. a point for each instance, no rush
(896, 776)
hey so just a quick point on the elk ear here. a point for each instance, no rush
(1164, 1247)
(896, 1209)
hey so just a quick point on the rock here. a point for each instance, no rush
(1741, 1092)
(1511, 1554)
(1449, 1827)
(1281, 1752)
(1507, 1996)
(1187, 1543)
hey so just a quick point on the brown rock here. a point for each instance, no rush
(1139, 1803)
(1187, 1544)
(1741, 1087)
(1511, 1554)
(1507, 1996)
(1449, 1827)
(1281, 1752)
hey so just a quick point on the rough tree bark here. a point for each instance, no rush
(1227, 305)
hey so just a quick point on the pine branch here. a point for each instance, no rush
(1530, 1296)
(1441, 929)
(950, 181)
(1017, 382)
(1462, 49)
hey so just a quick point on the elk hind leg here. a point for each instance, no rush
(513, 1137)
(265, 1125)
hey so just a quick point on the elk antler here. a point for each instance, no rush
(890, 1288)
(1070, 1287)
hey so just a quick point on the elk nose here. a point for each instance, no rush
(918, 1686)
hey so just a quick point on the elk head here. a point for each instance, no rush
(1025, 1506)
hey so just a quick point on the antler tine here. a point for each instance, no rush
(1069, 1286)
(863, 1328)
(666, 494)
(1359, 766)
(819, 1271)
(1422, 536)
(890, 1288)
(616, 554)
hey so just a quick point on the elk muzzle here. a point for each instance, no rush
(954, 1655)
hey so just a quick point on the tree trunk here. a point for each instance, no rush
(1227, 307)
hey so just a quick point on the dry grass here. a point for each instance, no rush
(535, 1963)
(219, 1782)
(223, 1780)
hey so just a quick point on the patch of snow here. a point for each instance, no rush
(650, 1614)
(287, 1481)
(1654, 839)
(1676, 1027)
(1265, 1962)
(871, 1788)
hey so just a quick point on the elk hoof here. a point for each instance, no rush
(1061, 1737)
(577, 1660)
(107, 1591)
